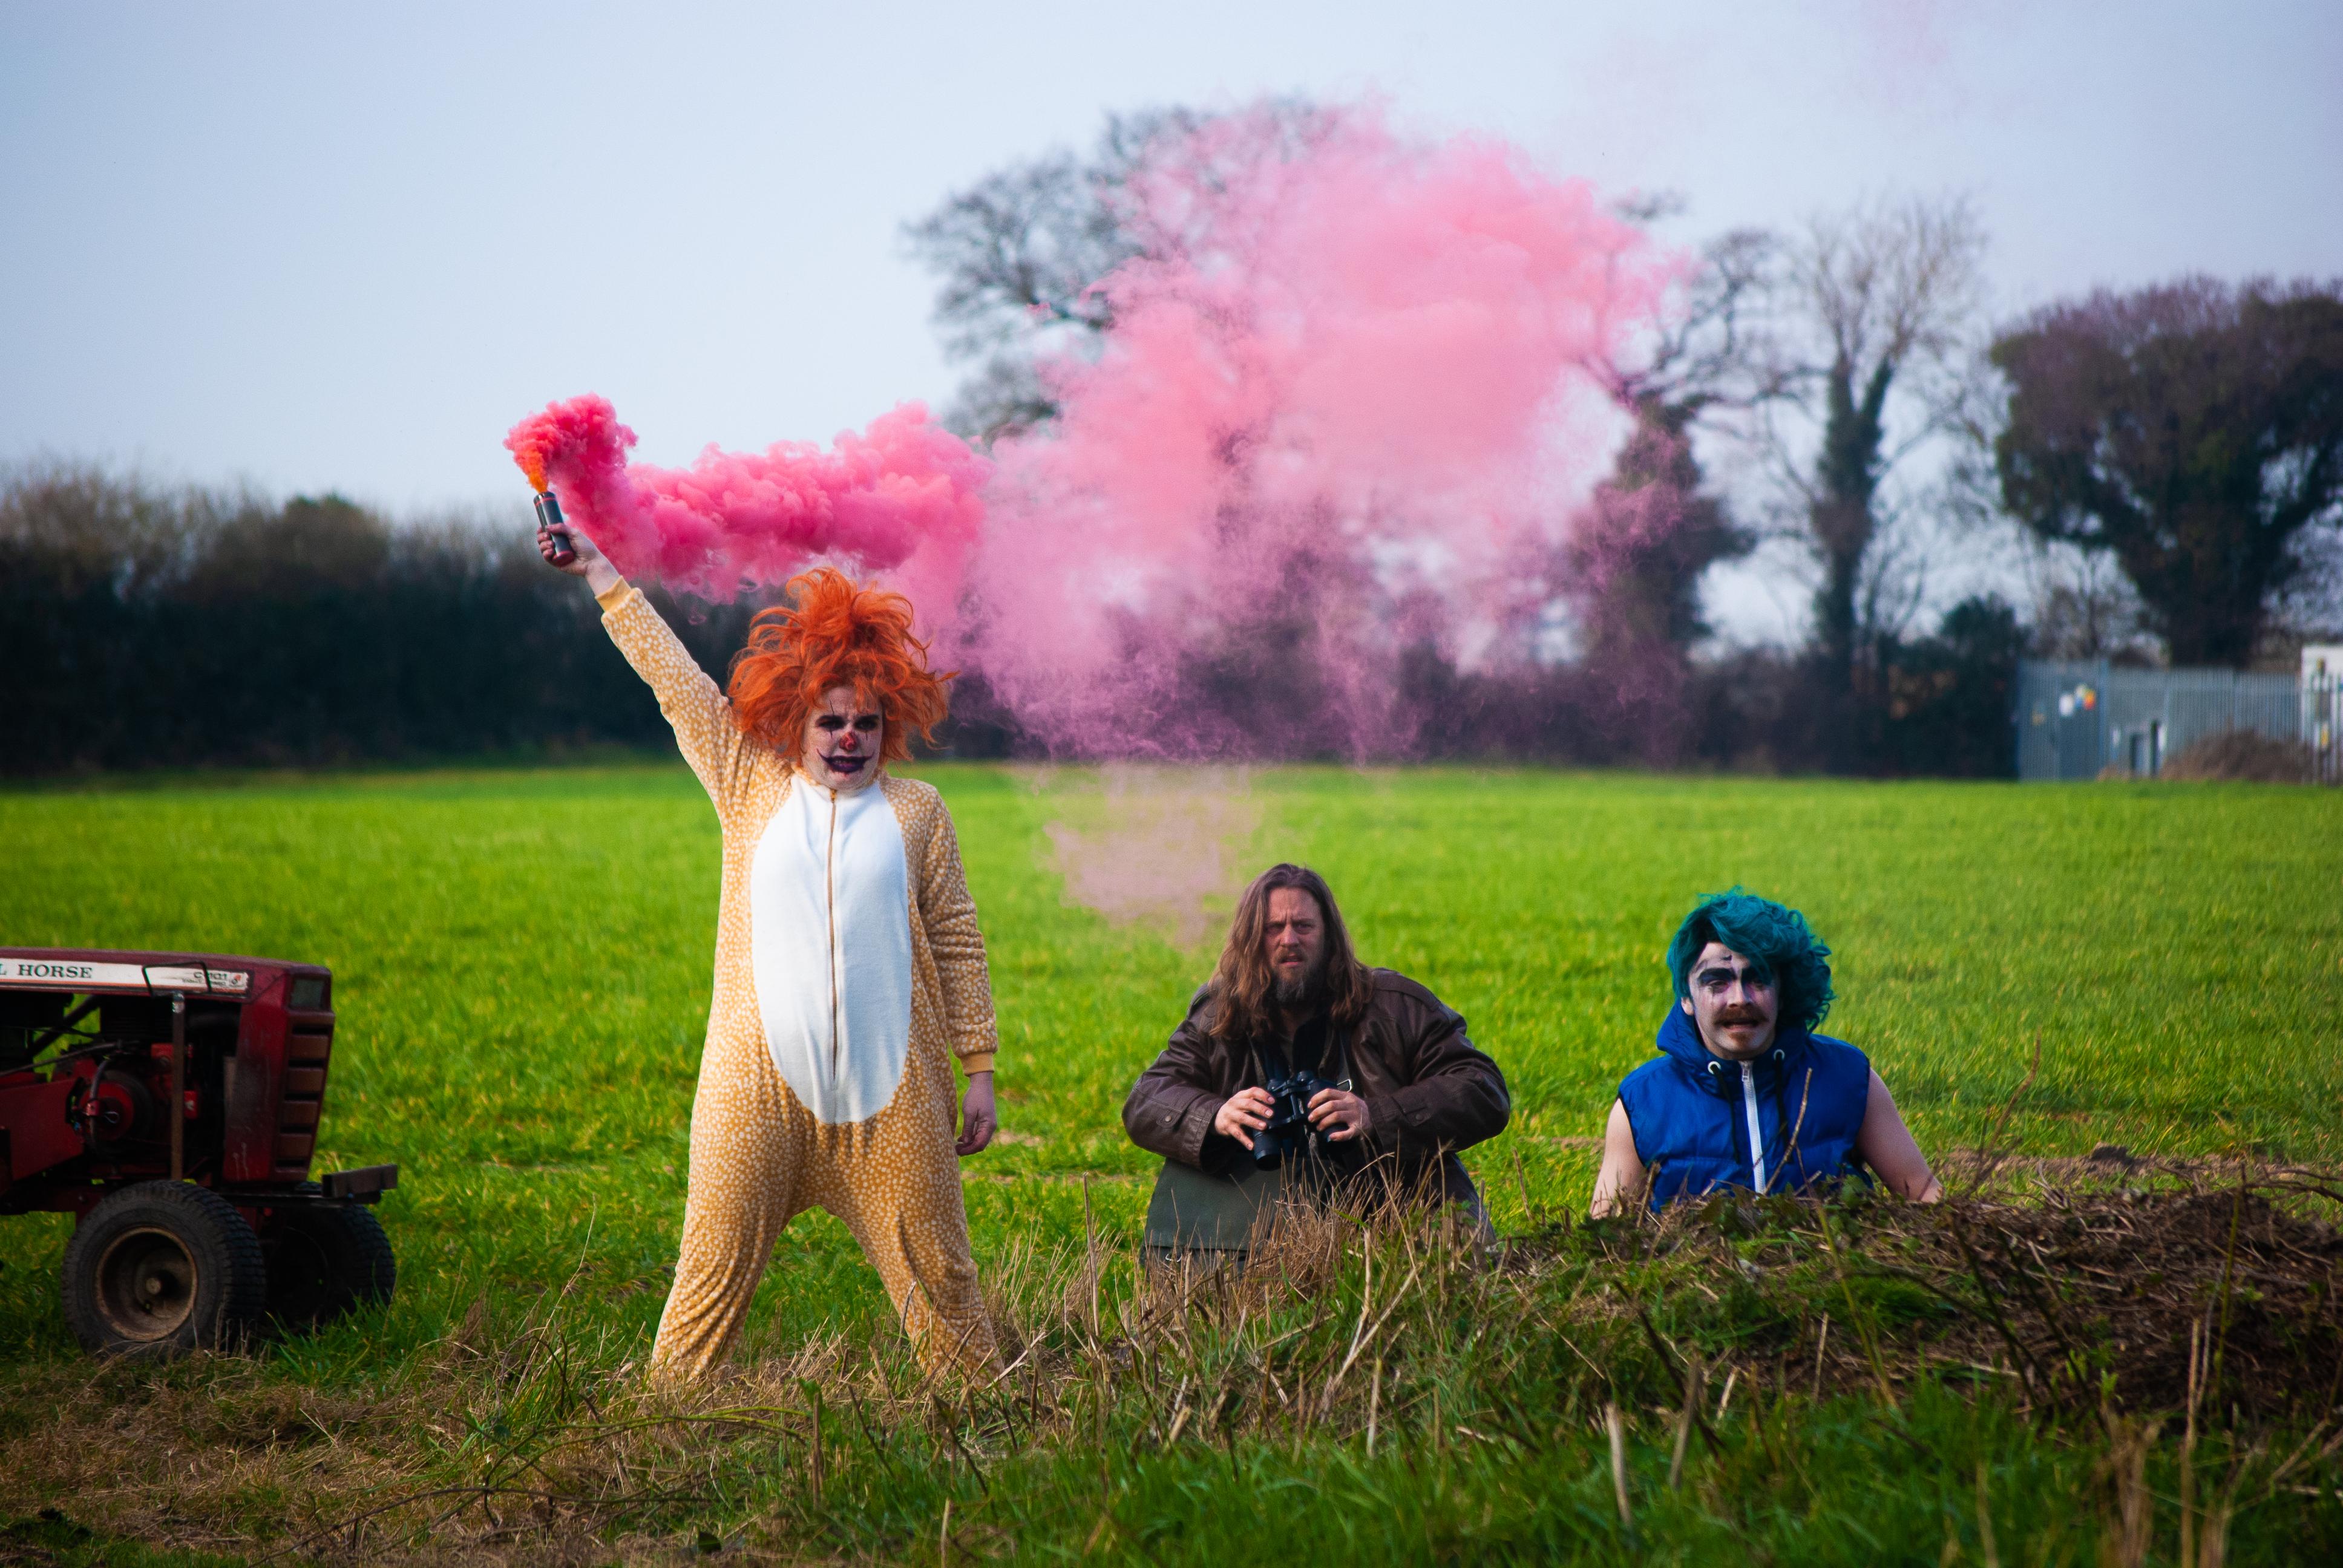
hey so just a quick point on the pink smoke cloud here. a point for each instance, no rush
(902, 499)
(1341, 415)
(1341, 409)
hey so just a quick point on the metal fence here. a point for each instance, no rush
(2079, 719)
(2322, 711)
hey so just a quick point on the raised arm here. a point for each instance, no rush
(1889, 1146)
(698, 712)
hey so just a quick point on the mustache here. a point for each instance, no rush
(1740, 1013)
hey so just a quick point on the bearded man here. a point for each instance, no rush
(1744, 1093)
(1401, 1087)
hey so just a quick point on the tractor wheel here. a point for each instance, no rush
(161, 1269)
(325, 1260)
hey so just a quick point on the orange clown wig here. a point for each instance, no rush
(833, 633)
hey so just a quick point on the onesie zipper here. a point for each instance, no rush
(1756, 1131)
(830, 907)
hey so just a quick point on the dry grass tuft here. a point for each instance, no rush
(525, 1437)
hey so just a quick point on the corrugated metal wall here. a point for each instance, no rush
(2075, 719)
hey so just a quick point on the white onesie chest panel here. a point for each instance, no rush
(829, 912)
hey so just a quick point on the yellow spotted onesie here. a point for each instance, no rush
(849, 971)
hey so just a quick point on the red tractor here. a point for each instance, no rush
(169, 1102)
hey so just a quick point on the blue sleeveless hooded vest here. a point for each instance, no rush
(1701, 1122)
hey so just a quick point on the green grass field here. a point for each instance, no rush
(522, 966)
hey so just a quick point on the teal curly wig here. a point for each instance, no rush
(1781, 947)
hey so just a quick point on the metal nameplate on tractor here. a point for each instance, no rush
(78, 973)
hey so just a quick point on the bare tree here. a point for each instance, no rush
(1868, 358)
(1704, 347)
(1638, 550)
(2081, 607)
(1020, 251)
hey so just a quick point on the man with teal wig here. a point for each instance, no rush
(1745, 1094)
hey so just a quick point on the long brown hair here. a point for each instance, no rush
(1243, 987)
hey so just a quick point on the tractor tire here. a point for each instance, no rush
(161, 1269)
(325, 1260)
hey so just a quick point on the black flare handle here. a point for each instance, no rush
(548, 519)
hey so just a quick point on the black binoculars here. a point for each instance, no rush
(1288, 1133)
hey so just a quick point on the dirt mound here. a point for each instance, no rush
(2240, 757)
(2217, 1280)
(2130, 1282)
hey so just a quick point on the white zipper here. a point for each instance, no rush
(830, 900)
(1757, 1134)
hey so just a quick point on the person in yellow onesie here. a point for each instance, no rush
(849, 970)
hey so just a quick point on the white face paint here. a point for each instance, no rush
(842, 741)
(1736, 1011)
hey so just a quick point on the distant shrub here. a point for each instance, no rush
(2241, 756)
(146, 625)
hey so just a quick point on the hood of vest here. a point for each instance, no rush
(1680, 1038)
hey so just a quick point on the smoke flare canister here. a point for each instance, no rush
(548, 517)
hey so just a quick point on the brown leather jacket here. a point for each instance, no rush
(1429, 1091)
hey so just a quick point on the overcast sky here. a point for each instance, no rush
(331, 246)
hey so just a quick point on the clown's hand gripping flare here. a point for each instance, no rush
(849, 968)
(552, 533)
